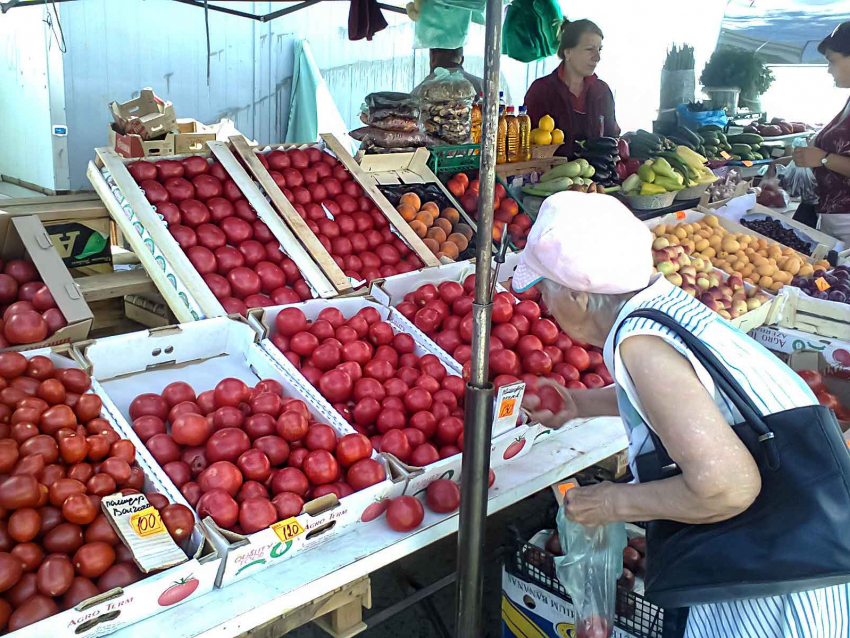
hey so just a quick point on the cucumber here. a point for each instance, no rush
(687, 134)
(740, 149)
(735, 157)
(746, 138)
(641, 134)
(758, 156)
(708, 128)
(682, 142)
(748, 156)
(711, 150)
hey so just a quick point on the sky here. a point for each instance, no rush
(800, 22)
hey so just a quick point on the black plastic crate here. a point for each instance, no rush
(633, 613)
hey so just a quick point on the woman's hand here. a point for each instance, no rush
(808, 156)
(569, 410)
(593, 505)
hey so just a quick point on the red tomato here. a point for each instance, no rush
(395, 442)
(578, 357)
(320, 467)
(352, 448)
(290, 479)
(364, 473)
(405, 514)
(443, 496)
(219, 505)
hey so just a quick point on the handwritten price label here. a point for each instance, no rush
(147, 523)
(821, 284)
(725, 155)
(680, 214)
(288, 529)
(746, 163)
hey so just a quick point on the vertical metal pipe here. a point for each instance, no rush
(478, 414)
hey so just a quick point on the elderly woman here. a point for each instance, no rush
(591, 287)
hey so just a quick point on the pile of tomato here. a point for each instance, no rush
(234, 251)
(28, 312)
(409, 405)
(524, 343)
(346, 222)
(249, 457)
(58, 458)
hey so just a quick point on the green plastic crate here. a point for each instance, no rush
(454, 159)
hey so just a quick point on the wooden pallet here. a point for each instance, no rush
(339, 613)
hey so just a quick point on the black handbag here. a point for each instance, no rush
(794, 537)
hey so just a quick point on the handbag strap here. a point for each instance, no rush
(721, 377)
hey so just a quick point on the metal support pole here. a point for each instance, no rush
(478, 413)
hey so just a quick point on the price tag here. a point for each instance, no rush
(147, 523)
(746, 163)
(725, 155)
(508, 403)
(561, 490)
(141, 528)
(288, 529)
(821, 284)
(680, 214)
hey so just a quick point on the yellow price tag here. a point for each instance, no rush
(747, 163)
(725, 155)
(506, 408)
(821, 284)
(288, 529)
(147, 522)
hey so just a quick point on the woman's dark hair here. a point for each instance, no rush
(571, 33)
(838, 40)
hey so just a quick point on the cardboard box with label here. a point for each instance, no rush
(26, 238)
(147, 116)
(189, 136)
(80, 229)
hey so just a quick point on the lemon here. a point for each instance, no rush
(557, 136)
(539, 137)
(547, 123)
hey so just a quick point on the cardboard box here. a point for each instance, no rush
(103, 614)
(25, 237)
(147, 116)
(505, 446)
(80, 229)
(786, 340)
(202, 354)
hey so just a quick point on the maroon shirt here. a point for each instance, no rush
(834, 188)
(579, 117)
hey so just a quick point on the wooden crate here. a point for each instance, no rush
(339, 613)
(180, 284)
(795, 309)
(369, 184)
(284, 208)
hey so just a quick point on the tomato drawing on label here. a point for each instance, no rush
(180, 590)
(514, 449)
(374, 510)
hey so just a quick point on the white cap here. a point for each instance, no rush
(588, 243)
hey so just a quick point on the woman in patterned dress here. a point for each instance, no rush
(592, 260)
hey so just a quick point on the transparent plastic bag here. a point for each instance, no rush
(589, 569)
(446, 105)
(799, 182)
(386, 103)
(371, 136)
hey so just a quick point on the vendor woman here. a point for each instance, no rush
(829, 154)
(581, 104)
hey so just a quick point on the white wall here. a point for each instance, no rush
(26, 141)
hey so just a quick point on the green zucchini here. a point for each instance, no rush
(709, 128)
(740, 149)
(654, 139)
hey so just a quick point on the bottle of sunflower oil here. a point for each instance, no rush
(524, 134)
(512, 146)
(476, 119)
(502, 138)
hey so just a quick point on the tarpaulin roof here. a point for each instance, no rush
(792, 28)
